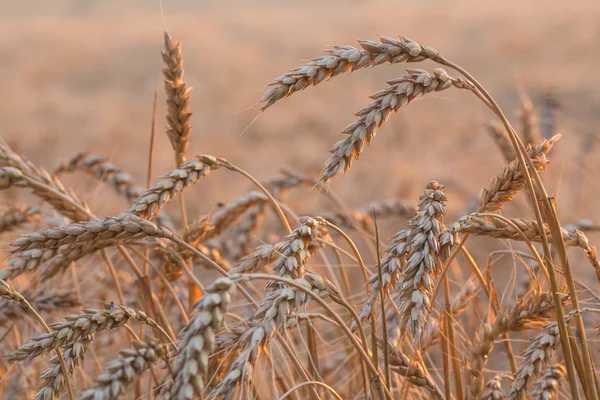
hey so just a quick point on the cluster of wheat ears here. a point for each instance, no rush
(275, 325)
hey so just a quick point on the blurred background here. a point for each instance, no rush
(81, 75)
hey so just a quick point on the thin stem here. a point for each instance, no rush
(289, 392)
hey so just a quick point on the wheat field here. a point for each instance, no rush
(326, 200)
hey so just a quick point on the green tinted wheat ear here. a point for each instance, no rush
(178, 98)
(414, 287)
(399, 93)
(198, 343)
(547, 386)
(342, 59)
(17, 216)
(119, 374)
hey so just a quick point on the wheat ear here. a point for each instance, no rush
(123, 371)
(546, 386)
(17, 216)
(341, 59)
(198, 342)
(42, 300)
(363, 216)
(178, 98)
(399, 93)
(493, 390)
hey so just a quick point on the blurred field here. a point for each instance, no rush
(81, 76)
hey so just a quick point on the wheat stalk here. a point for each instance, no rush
(16, 216)
(123, 371)
(399, 93)
(178, 98)
(198, 342)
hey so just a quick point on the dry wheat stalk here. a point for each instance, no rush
(272, 314)
(501, 139)
(341, 59)
(493, 389)
(156, 197)
(363, 217)
(546, 386)
(76, 328)
(526, 313)
(123, 371)
(178, 98)
(540, 349)
(459, 304)
(399, 93)
(415, 285)
(17, 216)
(198, 342)
(43, 300)
(412, 372)
(52, 378)
(16, 170)
(103, 169)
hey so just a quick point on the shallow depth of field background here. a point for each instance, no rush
(79, 76)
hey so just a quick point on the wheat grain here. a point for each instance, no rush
(400, 93)
(493, 390)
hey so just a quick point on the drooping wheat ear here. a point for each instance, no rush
(211, 225)
(412, 371)
(459, 304)
(103, 169)
(77, 327)
(237, 241)
(506, 185)
(42, 300)
(399, 93)
(541, 348)
(493, 389)
(16, 170)
(391, 266)
(123, 227)
(17, 216)
(156, 197)
(501, 139)
(121, 372)
(415, 285)
(198, 342)
(53, 379)
(174, 258)
(546, 387)
(529, 128)
(271, 315)
(291, 253)
(341, 59)
(363, 217)
(178, 98)
(526, 313)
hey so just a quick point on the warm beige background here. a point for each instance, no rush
(81, 75)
